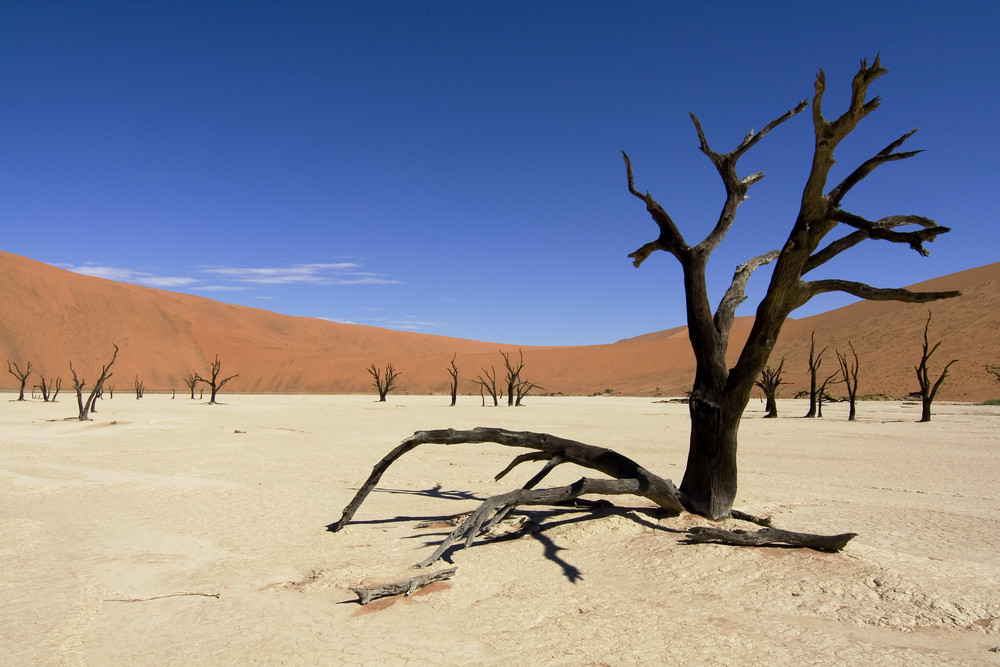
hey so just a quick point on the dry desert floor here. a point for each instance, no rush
(171, 532)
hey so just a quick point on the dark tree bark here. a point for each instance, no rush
(488, 384)
(928, 390)
(453, 372)
(720, 394)
(815, 361)
(22, 376)
(849, 375)
(769, 381)
(214, 382)
(384, 383)
(191, 381)
(87, 406)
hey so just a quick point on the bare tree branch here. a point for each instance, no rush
(670, 238)
(736, 294)
(863, 291)
(868, 166)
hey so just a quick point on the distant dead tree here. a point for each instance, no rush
(383, 382)
(849, 375)
(111, 391)
(815, 360)
(22, 376)
(513, 374)
(928, 390)
(215, 383)
(517, 387)
(191, 381)
(140, 388)
(49, 390)
(769, 381)
(523, 388)
(453, 372)
(488, 384)
(821, 394)
(87, 406)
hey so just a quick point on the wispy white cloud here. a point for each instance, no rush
(413, 324)
(341, 273)
(126, 275)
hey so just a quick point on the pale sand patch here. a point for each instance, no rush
(161, 496)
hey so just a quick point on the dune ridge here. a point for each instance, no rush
(51, 317)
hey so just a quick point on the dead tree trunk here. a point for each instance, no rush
(49, 391)
(87, 406)
(849, 374)
(453, 372)
(513, 374)
(821, 394)
(22, 376)
(383, 383)
(489, 384)
(140, 388)
(769, 381)
(928, 390)
(191, 381)
(523, 388)
(214, 382)
(815, 361)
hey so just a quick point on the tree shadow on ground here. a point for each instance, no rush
(538, 522)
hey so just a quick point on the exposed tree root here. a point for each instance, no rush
(628, 478)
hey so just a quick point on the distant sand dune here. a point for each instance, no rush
(51, 316)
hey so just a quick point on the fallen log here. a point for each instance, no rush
(769, 537)
(408, 587)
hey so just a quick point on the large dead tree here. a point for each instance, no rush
(769, 381)
(720, 393)
(928, 389)
(214, 381)
(87, 406)
(849, 374)
(383, 382)
(22, 376)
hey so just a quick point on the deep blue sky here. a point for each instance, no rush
(454, 167)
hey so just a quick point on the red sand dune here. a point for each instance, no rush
(51, 317)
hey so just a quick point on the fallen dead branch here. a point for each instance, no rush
(628, 478)
(168, 595)
(408, 587)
